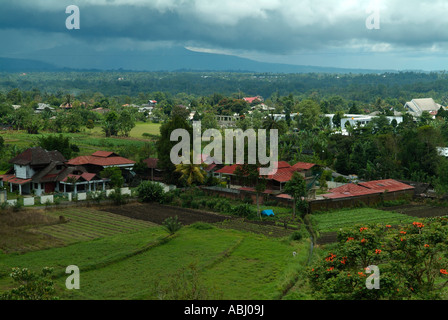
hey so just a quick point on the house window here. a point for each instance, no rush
(36, 186)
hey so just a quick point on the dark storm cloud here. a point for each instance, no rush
(276, 26)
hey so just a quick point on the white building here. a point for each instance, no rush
(417, 106)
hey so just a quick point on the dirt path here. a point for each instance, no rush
(157, 213)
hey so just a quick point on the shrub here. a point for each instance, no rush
(243, 210)
(31, 286)
(223, 205)
(172, 224)
(118, 198)
(168, 197)
(149, 191)
(211, 204)
(195, 204)
(295, 236)
(247, 199)
(18, 205)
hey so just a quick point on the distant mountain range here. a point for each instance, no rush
(164, 59)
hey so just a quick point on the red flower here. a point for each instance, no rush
(403, 232)
(331, 257)
(426, 245)
(350, 238)
(418, 224)
(443, 271)
(377, 251)
(362, 229)
(363, 240)
(388, 226)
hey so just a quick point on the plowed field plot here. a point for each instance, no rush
(419, 211)
(87, 224)
(158, 213)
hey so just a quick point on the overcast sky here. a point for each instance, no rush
(412, 34)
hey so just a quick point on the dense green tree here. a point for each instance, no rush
(296, 188)
(164, 146)
(60, 143)
(309, 114)
(115, 176)
(111, 124)
(126, 122)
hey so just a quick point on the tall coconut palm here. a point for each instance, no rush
(191, 172)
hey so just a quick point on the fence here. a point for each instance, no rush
(365, 200)
(56, 198)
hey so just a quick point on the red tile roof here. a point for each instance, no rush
(251, 99)
(228, 169)
(283, 174)
(104, 154)
(210, 167)
(85, 176)
(365, 188)
(284, 196)
(303, 165)
(100, 159)
(10, 178)
(388, 184)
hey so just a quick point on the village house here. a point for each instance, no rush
(38, 171)
(366, 193)
(100, 160)
(275, 181)
(417, 106)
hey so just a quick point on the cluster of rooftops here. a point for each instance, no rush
(38, 170)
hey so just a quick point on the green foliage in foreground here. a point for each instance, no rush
(411, 262)
(172, 224)
(149, 191)
(30, 285)
(228, 264)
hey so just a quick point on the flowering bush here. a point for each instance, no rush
(411, 260)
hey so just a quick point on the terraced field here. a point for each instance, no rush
(85, 224)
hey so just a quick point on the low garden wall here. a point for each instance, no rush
(50, 199)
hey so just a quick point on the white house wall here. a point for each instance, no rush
(23, 172)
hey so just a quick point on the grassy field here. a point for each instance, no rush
(335, 220)
(38, 229)
(123, 258)
(138, 131)
(90, 141)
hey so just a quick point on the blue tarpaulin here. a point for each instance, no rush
(267, 212)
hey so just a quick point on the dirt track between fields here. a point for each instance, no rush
(157, 213)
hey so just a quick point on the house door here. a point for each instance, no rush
(50, 187)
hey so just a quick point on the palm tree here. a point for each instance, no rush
(191, 173)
